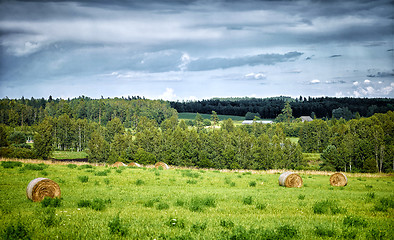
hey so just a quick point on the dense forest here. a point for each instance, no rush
(269, 108)
(147, 131)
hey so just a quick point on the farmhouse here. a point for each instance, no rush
(306, 119)
(252, 121)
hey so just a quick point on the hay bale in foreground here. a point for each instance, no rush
(134, 164)
(119, 164)
(338, 180)
(40, 188)
(290, 179)
(161, 164)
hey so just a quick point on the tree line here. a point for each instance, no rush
(27, 112)
(269, 108)
(360, 144)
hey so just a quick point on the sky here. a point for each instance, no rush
(196, 49)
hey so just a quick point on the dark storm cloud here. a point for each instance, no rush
(49, 41)
(223, 63)
(381, 74)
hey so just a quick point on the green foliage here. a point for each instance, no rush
(51, 202)
(83, 179)
(326, 206)
(324, 230)
(16, 231)
(226, 223)
(34, 167)
(139, 182)
(85, 166)
(117, 227)
(261, 206)
(43, 140)
(48, 217)
(252, 184)
(72, 166)
(247, 200)
(354, 221)
(11, 164)
(17, 137)
(384, 204)
(97, 204)
(198, 204)
(162, 206)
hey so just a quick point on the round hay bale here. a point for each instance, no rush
(40, 188)
(290, 179)
(161, 164)
(119, 164)
(338, 180)
(134, 164)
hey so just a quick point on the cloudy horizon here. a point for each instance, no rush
(184, 50)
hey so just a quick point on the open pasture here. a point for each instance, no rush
(100, 202)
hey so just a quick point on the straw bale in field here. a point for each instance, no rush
(290, 179)
(134, 164)
(119, 164)
(161, 164)
(338, 180)
(40, 188)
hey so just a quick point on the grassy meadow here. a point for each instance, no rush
(101, 202)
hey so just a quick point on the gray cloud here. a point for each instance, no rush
(223, 63)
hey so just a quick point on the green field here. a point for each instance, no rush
(145, 203)
(68, 155)
(192, 116)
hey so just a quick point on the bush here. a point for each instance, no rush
(326, 206)
(84, 203)
(190, 174)
(196, 227)
(384, 204)
(286, 231)
(16, 231)
(51, 202)
(102, 173)
(252, 184)
(116, 227)
(35, 167)
(226, 223)
(97, 204)
(191, 181)
(354, 221)
(11, 164)
(83, 179)
(324, 231)
(197, 204)
(301, 197)
(85, 166)
(261, 206)
(247, 200)
(162, 206)
(139, 182)
(48, 217)
(72, 166)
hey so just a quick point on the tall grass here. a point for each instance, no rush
(137, 204)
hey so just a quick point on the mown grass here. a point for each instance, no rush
(68, 155)
(138, 204)
(192, 116)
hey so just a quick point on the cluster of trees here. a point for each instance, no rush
(27, 112)
(146, 131)
(250, 147)
(270, 108)
(365, 144)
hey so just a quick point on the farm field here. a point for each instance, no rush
(145, 203)
(192, 116)
(68, 155)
